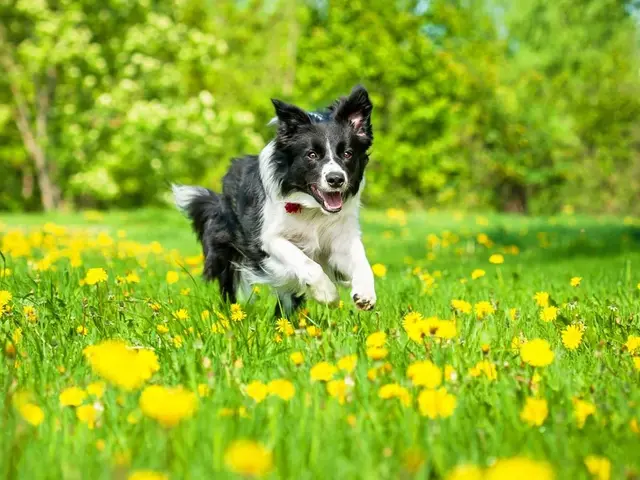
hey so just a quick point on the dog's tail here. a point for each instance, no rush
(200, 204)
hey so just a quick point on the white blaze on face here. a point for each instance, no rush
(331, 167)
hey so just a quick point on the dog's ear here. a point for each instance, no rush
(356, 111)
(289, 118)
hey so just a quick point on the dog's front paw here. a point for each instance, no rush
(323, 290)
(364, 298)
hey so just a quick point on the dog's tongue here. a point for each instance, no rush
(332, 200)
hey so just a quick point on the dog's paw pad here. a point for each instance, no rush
(363, 303)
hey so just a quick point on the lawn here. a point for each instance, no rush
(501, 347)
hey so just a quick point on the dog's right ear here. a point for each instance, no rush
(289, 117)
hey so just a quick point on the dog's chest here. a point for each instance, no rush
(312, 233)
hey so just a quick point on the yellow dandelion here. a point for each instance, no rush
(297, 358)
(87, 414)
(237, 315)
(549, 314)
(633, 344)
(571, 337)
(132, 277)
(542, 299)
(534, 412)
(425, 374)
(536, 353)
(582, 410)
(323, 372)
(486, 368)
(281, 388)
(379, 270)
(599, 467)
(519, 467)
(172, 277)
(461, 306)
(257, 391)
(496, 259)
(161, 328)
(477, 273)
(313, 331)
(377, 353)
(125, 367)
(147, 475)
(96, 389)
(284, 326)
(167, 405)
(393, 390)
(376, 339)
(31, 413)
(181, 314)
(338, 389)
(482, 309)
(72, 397)
(82, 330)
(248, 458)
(95, 276)
(575, 281)
(348, 363)
(177, 341)
(436, 403)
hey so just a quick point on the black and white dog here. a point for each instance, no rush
(289, 216)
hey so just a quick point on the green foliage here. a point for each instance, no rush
(522, 107)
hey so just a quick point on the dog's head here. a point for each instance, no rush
(320, 157)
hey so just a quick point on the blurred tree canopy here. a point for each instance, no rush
(518, 106)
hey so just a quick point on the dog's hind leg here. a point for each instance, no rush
(288, 303)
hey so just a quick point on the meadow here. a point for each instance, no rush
(501, 347)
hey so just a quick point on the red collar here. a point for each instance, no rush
(292, 207)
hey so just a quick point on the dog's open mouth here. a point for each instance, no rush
(330, 201)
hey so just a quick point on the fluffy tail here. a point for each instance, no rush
(200, 204)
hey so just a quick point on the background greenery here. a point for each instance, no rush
(519, 106)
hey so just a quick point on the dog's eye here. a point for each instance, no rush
(347, 154)
(312, 155)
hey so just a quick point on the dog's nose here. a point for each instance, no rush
(335, 179)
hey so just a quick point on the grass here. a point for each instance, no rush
(429, 259)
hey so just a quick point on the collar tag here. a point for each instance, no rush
(292, 207)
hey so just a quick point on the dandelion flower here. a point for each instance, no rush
(496, 259)
(161, 328)
(534, 412)
(575, 281)
(132, 277)
(147, 475)
(376, 339)
(465, 472)
(486, 368)
(30, 313)
(482, 309)
(172, 277)
(461, 306)
(31, 413)
(313, 331)
(297, 358)
(120, 365)
(248, 458)
(393, 390)
(633, 344)
(519, 467)
(281, 388)
(542, 299)
(536, 353)
(582, 410)
(379, 270)
(477, 273)
(95, 275)
(237, 315)
(377, 353)
(425, 374)
(257, 391)
(549, 314)
(181, 314)
(96, 389)
(87, 414)
(323, 372)
(348, 363)
(636, 363)
(167, 405)
(72, 397)
(436, 403)
(284, 326)
(571, 337)
(338, 389)
(599, 467)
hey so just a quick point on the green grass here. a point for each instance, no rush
(310, 435)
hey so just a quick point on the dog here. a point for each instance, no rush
(288, 217)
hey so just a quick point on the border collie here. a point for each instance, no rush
(288, 217)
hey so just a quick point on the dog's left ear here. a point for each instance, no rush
(356, 111)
